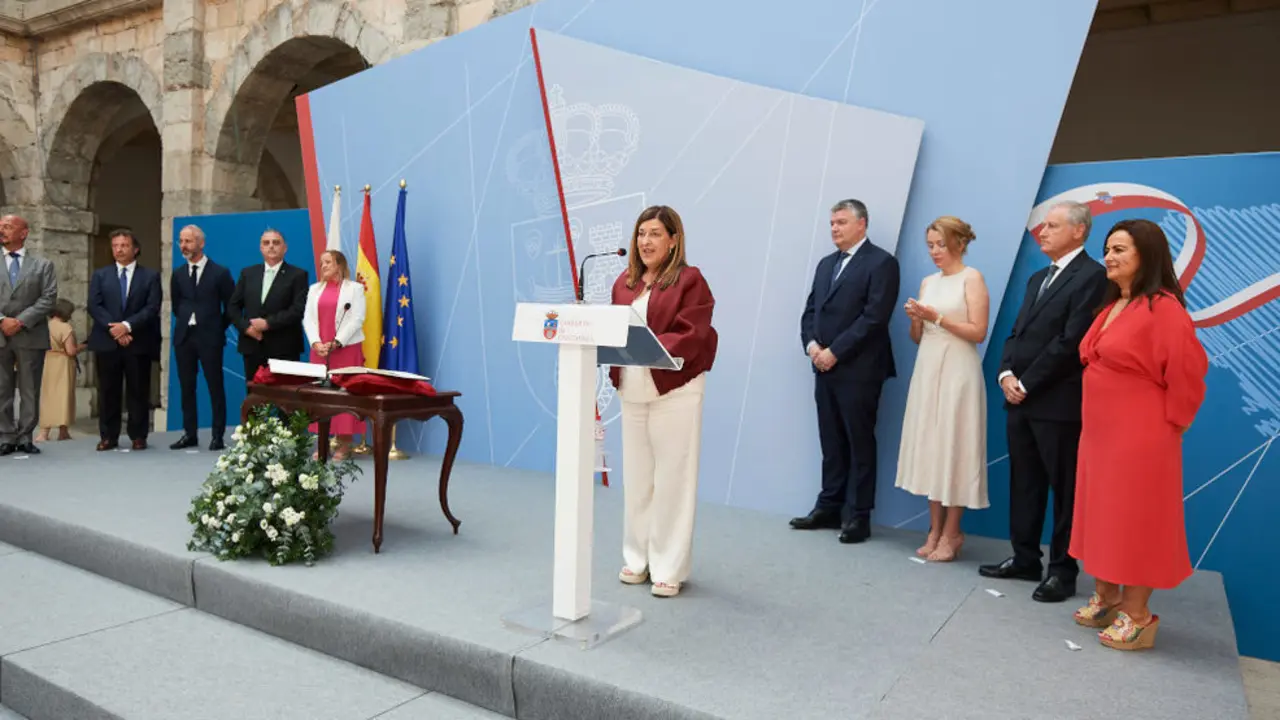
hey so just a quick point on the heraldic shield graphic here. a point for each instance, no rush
(549, 326)
(595, 143)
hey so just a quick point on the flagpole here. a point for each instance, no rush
(396, 453)
(363, 448)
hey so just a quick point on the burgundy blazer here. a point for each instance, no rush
(680, 316)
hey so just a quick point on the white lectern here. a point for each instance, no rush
(587, 334)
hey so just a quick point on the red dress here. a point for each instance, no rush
(1144, 380)
(346, 356)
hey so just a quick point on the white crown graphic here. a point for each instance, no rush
(594, 144)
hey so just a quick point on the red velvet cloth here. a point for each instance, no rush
(264, 376)
(369, 384)
(680, 316)
(361, 384)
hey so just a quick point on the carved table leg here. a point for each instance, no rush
(452, 416)
(322, 439)
(381, 451)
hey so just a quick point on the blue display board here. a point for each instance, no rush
(754, 165)
(1222, 217)
(232, 241)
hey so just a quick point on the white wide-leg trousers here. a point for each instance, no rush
(661, 444)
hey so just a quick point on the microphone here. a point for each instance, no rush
(328, 358)
(582, 272)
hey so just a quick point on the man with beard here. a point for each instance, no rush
(200, 292)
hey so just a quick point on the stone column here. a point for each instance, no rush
(186, 167)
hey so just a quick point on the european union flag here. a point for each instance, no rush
(399, 336)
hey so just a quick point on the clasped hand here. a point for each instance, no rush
(822, 358)
(322, 349)
(10, 326)
(918, 311)
(120, 333)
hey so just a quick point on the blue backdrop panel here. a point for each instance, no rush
(1230, 474)
(232, 241)
(462, 122)
(749, 168)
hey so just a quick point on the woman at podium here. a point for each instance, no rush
(662, 409)
(334, 323)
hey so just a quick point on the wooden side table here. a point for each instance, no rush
(383, 411)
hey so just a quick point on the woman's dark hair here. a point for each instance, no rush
(1155, 274)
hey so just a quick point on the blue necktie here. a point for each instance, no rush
(124, 286)
(840, 262)
(14, 269)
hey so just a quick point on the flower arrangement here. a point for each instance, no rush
(266, 497)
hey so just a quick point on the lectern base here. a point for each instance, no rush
(604, 622)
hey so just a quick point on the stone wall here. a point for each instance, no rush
(208, 75)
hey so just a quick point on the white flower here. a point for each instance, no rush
(277, 497)
(231, 518)
(222, 508)
(205, 518)
(243, 457)
(235, 537)
(231, 500)
(272, 533)
(264, 525)
(266, 508)
(291, 516)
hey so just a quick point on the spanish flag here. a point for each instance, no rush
(368, 276)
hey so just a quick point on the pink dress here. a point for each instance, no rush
(346, 356)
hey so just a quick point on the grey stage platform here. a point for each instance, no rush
(774, 623)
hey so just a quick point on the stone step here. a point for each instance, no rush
(77, 645)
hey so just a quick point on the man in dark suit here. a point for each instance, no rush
(200, 293)
(267, 307)
(124, 302)
(1041, 376)
(845, 331)
(28, 291)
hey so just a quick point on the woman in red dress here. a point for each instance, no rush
(1144, 380)
(334, 323)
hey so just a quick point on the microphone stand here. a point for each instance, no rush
(327, 383)
(582, 271)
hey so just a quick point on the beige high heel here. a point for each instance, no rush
(948, 549)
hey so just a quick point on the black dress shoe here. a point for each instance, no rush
(216, 445)
(855, 531)
(184, 442)
(8, 449)
(1054, 590)
(1010, 570)
(28, 447)
(817, 520)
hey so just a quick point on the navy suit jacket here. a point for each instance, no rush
(141, 310)
(209, 300)
(851, 318)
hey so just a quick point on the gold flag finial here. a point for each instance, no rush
(337, 188)
(402, 184)
(367, 188)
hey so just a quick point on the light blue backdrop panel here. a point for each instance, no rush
(1230, 465)
(233, 241)
(450, 118)
(749, 168)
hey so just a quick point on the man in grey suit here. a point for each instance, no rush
(28, 290)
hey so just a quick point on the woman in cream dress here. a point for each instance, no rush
(943, 455)
(58, 383)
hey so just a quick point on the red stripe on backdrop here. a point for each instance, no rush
(311, 174)
(555, 158)
(555, 163)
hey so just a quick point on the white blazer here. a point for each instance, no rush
(350, 330)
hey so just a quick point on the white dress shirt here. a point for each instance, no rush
(199, 266)
(128, 285)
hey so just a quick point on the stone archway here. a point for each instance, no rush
(16, 143)
(102, 171)
(250, 121)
